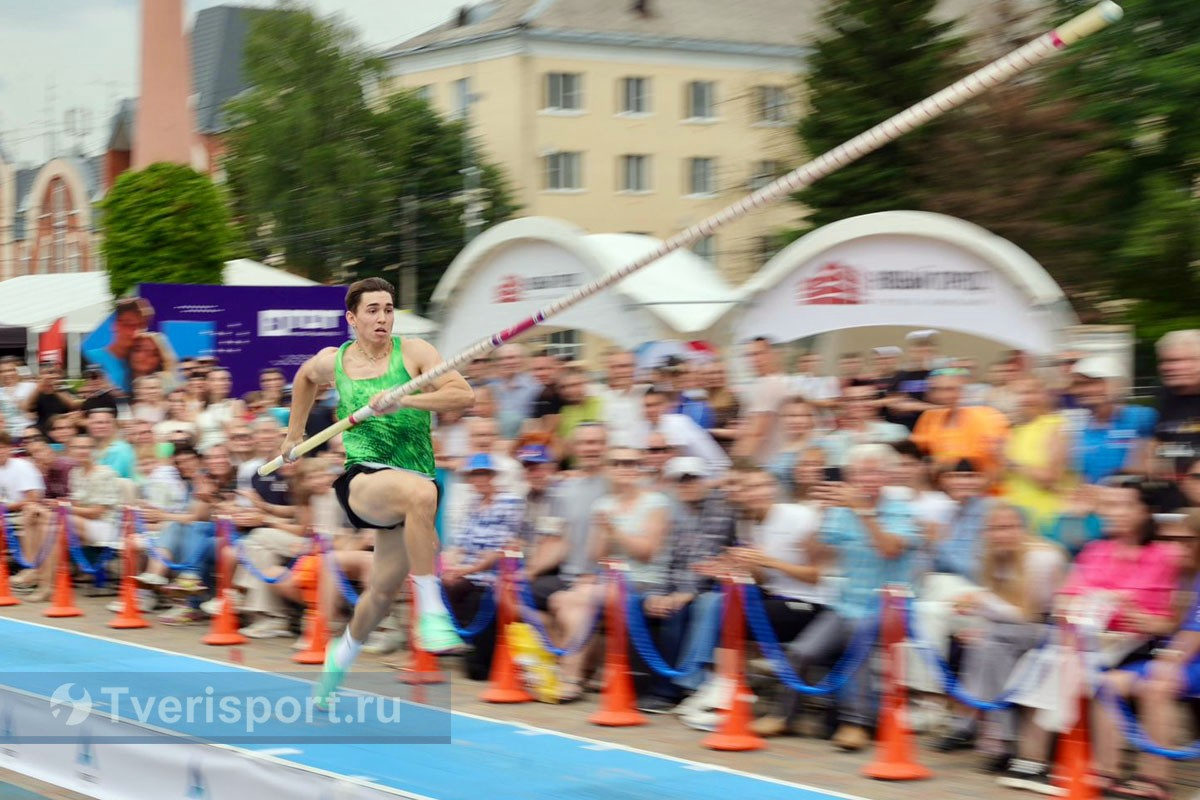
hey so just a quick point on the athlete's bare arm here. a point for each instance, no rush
(451, 391)
(315, 373)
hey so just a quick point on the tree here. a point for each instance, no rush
(343, 188)
(1141, 81)
(164, 224)
(881, 56)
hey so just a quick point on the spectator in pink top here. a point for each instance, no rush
(1128, 576)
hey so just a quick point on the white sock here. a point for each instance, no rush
(429, 594)
(347, 651)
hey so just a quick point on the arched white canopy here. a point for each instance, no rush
(515, 268)
(904, 268)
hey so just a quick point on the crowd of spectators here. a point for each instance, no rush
(1004, 500)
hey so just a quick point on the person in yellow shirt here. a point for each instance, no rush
(1036, 476)
(952, 432)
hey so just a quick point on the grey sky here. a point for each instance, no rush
(83, 54)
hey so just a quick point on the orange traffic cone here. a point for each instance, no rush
(224, 630)
(130, 616)
(6, 595)
(504, 682)
(894, 754)
(424, 668)
(735, 734)
(1073, 754)
(62, 603)
(618, 707)
(316, 624)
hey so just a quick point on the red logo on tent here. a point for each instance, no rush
(834, 284)
(510, 289)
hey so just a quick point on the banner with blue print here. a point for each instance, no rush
(249, 328)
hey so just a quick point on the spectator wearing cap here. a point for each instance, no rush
(859, 422)
(1114, 436)
(483, 436)
(762, 434)
(1037, 474)
(949, 431)
(684, 436)
(493, 523)
(514, 389)
(683, 609)
(540, 469)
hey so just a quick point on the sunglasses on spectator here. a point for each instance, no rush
(658, 449)
(625, 463)
(1195, 476)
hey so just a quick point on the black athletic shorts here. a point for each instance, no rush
(341, 490)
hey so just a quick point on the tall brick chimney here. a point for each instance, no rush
(164, 126)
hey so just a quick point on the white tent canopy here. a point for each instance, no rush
(84, 300)
(515, 268)
(904, 268)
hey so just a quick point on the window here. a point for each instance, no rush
(564, 91)
(563, 171)
(772, 104)
(701, 176)
(462, 98)
(635, 173)
(635, 95)
(764, 173)
(565, 343)
(701, 100)
(424, 93)
(706, 248)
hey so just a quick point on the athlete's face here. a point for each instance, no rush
(374, 317)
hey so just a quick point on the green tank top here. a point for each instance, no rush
(401, 439)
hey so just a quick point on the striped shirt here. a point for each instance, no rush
(488, 529)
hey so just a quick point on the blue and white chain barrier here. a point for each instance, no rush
(347, 588)
(244, 560)
(526, 604)
(1139, 738)
(856, 654)
(639, 634)
(1036, 671)
(157, 553)
(76, 549)
(14, 545)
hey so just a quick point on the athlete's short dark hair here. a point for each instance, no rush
(359, 288)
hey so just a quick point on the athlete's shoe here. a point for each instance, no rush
(436, 633)
(331, 678)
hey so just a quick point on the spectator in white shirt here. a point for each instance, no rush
(623, 413)
(13, 395)
(763, 434)
(682, 433)
(21, 492)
